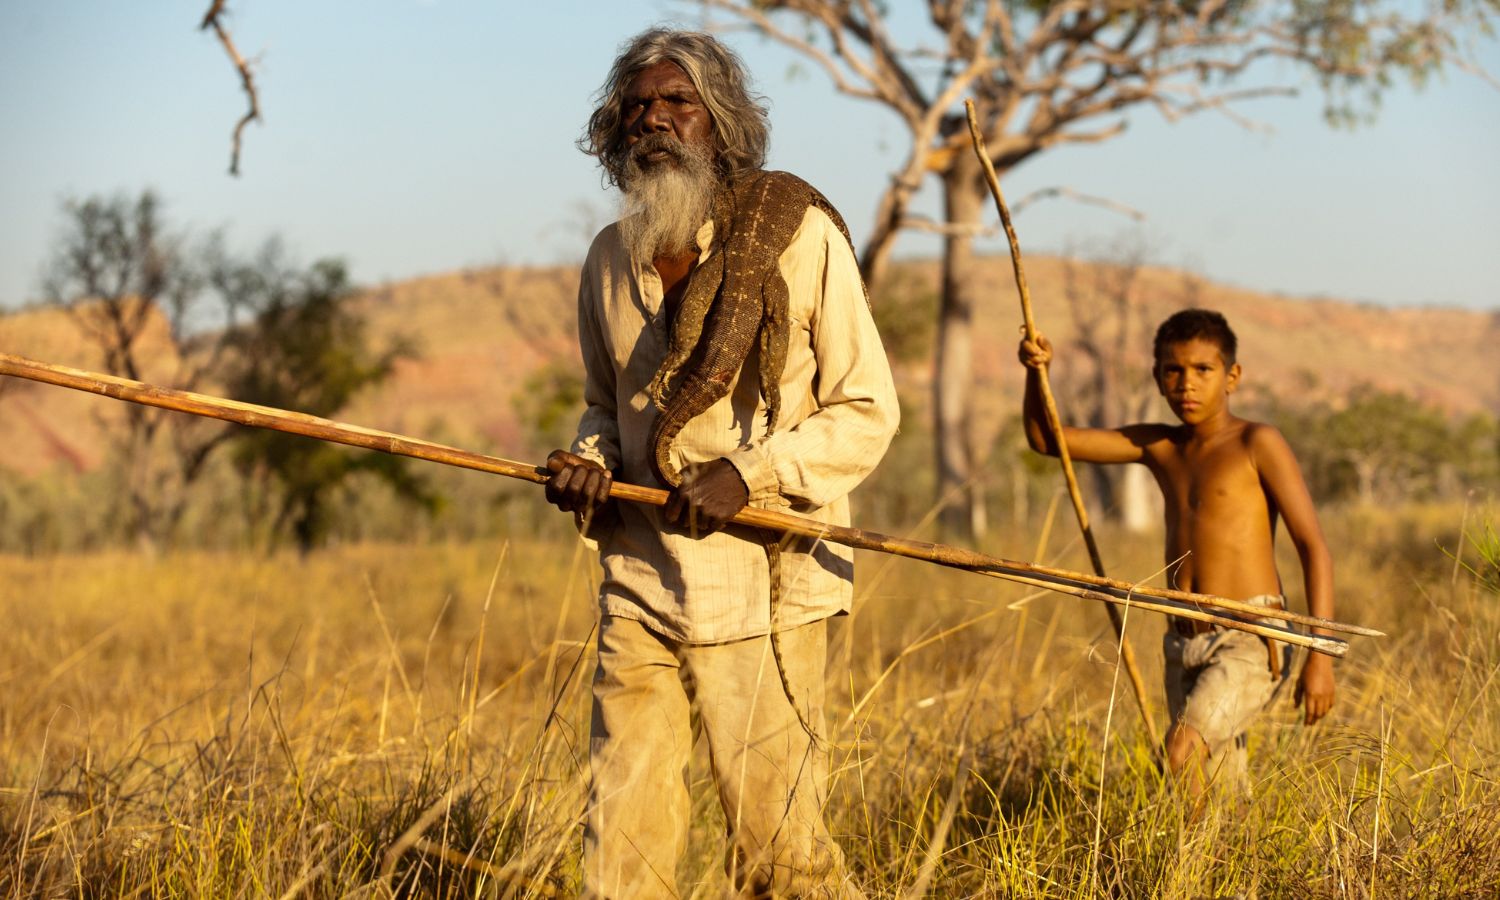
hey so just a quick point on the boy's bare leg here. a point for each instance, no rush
(1187, 756)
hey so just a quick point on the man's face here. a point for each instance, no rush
(661, 100)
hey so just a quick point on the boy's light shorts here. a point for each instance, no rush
(1218, 680)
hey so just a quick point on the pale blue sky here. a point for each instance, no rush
(419, 136)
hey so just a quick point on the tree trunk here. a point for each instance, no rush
(962, 515)
(1105, 414)
(889, 215)
(1102, 484)
(1364, 470)
(1140, 499)
(1138, 507)
(1020, 491)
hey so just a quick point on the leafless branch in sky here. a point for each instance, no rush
(214, 19)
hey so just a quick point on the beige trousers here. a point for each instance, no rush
(652, 696)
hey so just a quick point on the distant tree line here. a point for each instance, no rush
(198, 317)
(153, 307)
(1379, 447)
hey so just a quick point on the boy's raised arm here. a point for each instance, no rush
(1093, 445)
(1285, 487)
(1036, 356)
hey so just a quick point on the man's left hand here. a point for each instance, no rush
(1315, 688)
(710, 495)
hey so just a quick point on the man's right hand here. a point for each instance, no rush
(1035, 354)
(580, 486)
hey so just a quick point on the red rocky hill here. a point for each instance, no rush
(480, 334)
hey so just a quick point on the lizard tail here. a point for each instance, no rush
(773, 558)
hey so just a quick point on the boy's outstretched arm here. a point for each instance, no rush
(1285, 487)
(1095, 445)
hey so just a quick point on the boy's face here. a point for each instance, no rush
(1192, 376)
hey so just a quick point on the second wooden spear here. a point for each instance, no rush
(1054, 422)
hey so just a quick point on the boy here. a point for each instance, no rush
(1225, 481)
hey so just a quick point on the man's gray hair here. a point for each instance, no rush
(741, 130)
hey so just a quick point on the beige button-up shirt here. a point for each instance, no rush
(838, 414)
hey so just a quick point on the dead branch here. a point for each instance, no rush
(1048, 193)
(1054, 423)
(930, 225)
(213, 19)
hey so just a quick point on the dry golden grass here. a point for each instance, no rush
(413, 720)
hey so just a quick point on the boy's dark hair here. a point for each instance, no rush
(1199, 324)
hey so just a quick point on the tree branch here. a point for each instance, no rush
(948, 229)
(212, 20)
(877, 90)
(1048, 193)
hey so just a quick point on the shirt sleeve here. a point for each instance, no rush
(598, 428)
(856, 412)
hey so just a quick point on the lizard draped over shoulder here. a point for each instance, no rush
(733, 299)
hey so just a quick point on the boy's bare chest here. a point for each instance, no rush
(1212, 477)
(1220, 524)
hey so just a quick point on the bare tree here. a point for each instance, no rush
(131, 289)
(1112, 323)
(262, 329)
(1049, 74)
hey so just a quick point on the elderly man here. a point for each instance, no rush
(731, 357)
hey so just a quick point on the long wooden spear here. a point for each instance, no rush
(1054, 422)
(1204, 607)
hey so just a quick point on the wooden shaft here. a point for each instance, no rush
(1022, 572)
(265, 417)
(1315, 642)
(1054, 422)
(1203, 606)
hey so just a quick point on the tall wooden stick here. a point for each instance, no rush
(1054, 422)
(1203, 607)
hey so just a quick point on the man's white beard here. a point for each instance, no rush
(664, 206)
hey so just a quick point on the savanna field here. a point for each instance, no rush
(403, 711)
(237, 663)
(411, 719)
